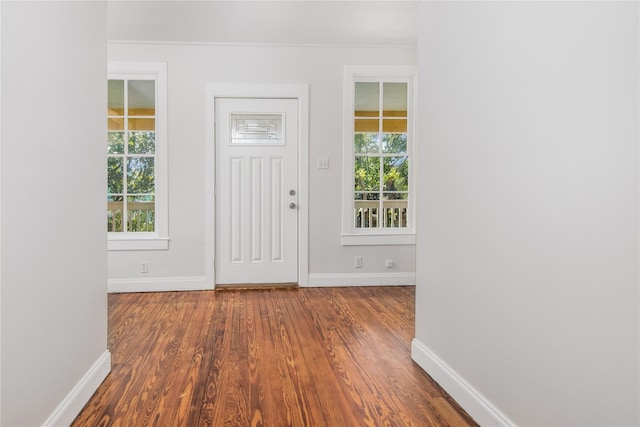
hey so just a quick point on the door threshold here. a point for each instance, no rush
(255, 286)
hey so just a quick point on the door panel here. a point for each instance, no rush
(256, 182)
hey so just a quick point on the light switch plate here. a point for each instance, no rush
(323, 163)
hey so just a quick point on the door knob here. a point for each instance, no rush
(292, 205)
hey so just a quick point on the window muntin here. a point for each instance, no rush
(131, 175)
(381, 163)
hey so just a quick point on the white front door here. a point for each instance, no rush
(256, 190)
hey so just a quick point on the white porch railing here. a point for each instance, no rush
(140, 216)
(367, 213)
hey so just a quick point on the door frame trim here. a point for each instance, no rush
(300, 92)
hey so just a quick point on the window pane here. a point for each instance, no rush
(367, 196)
(114, 175)
(366, 143)
(394, 99)
(115, 123)
(366, 213)
(115, 205)
(141, 213)
(142, 97)
(115, 96)
(367, 173)
(367, 99)
(140, 175)
(142, 142)
(395, 196)
(367, 125)
(394, 143)
(395, 213)
(394, 125)
(144, 200)
(142, 124)
(114, 219)
(396, 173)
(115, 141)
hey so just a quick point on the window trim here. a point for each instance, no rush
(159, 239)
(378, 236)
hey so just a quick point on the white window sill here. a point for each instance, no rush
(378, 239)
(137, 243)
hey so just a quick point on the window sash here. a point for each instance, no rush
(132, 215)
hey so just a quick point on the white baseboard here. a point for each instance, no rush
(200, 283)
(73, 403)
(361, 279)
(159, 284)
(476, 405)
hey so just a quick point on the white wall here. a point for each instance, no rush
(53, 266)
(232, 21)
(190, 67)
(0, 213)
(527, 254)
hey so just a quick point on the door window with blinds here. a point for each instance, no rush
(134, 169)
(380, 139)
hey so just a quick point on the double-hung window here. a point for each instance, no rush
(379, 141)
(136, 156)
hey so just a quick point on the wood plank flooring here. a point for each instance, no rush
(279, 357)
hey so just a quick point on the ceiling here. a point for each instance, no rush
(271, 22)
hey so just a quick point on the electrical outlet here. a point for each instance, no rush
(144, 267)
(357, 261)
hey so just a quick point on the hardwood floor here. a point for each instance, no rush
(280, 357)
